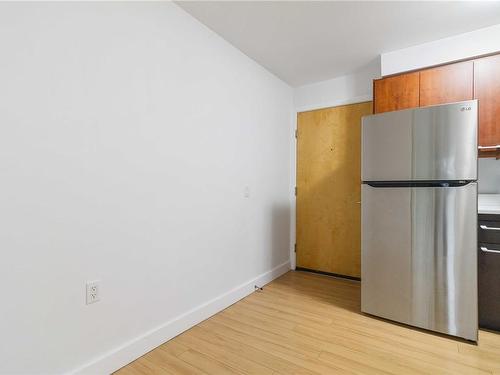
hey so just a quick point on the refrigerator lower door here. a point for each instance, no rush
(419, 257)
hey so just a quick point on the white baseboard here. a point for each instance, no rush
(133, 349)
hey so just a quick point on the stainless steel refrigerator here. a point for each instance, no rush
(419, 217)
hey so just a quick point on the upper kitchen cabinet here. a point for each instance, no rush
(446, 84)
(394, 93)
(487, 91)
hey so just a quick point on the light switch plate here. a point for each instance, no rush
(93, 291)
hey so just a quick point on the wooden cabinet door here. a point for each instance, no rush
(398, 92)
(329, 189)
(446, 84)
(487, 91)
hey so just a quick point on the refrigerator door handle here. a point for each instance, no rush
(488, 147)
(486, 250)
(485, 227)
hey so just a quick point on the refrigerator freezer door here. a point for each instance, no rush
(429, 143)
(419, 257)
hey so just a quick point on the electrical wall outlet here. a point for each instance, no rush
(93, 291)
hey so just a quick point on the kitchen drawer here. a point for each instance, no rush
(489, 286)
(489, 232)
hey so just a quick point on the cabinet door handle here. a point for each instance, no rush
(488, 147)
(486, 250)
(485, 227)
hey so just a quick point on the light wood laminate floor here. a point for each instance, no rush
(304, 323)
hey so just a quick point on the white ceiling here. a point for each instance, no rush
(304, 42)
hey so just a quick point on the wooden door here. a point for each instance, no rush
(394, 93)
(487, 91)
(446, 84)
(329, 189)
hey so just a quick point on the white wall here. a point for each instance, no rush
(462, 46)
(128, 134)
(352, 88)
(489, 176)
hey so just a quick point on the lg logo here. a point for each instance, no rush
(465, 108)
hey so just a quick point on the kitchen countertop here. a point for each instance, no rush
(488, 203)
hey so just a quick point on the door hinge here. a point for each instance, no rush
(295, 248)
(296, 133)
(295, 190)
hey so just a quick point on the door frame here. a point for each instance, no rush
(293, 162)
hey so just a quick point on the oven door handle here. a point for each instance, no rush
(485, 227)
(486, 250)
